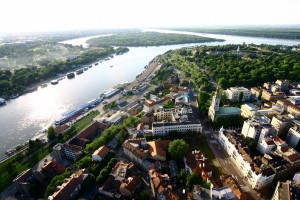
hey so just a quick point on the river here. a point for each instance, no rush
(22, 118)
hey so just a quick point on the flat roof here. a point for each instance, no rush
(229, 111)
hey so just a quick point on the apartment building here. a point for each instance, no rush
(234, 92)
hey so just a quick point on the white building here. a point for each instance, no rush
(100, 153)
(258, 176)
(257, 126)
(248, 110)
(293, 137)
(175, 119)
(266, 145)
(234, 92)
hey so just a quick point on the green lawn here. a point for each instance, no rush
(85, 121)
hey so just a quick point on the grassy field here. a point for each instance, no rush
(85, 121)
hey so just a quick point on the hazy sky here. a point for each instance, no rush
(45, 15)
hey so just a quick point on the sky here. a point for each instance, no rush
(58, 15)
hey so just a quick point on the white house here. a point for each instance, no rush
(100, 153)
(234, 92)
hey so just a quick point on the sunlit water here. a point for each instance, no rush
(22, 118)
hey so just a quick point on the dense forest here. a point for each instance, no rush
(282, 33)
(16, 81)
(146, 39)
(251, 66)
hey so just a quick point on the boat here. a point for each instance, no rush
(78, 111)
(14, 96)
(9, 152)
(2, 101)
(79, 71)
(86, 68)
(107, 59)
(54, 82)
(111, 66)
(109, 93)
(44, 85)
(61, 78)
(96, 63)
(70, 75)
(90, 66)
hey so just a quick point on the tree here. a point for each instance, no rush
(192, 179)
(240, 97)
(51, 133)
(169, 104)
(182, 177)
(177, 149)
(143, 195)
(85, 162)
(203, 98)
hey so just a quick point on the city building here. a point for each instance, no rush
(130, 186)
(257, 174)
(289, 190)
(143, 153)
(293, 137)
(216, 110)
(281, 124)
(234, 92)
(223, 193)
(68, 151)
(248, 110)
(71, 186)
(175, 119)
(195, 162)
(284, 84)
(256, 126)
(100, 153)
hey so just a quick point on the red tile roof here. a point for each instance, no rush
(91, 129)
(64, 191)
(102, 151)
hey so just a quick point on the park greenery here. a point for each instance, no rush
(178, 149)
(282, 33)
(146, 39)
(111, 132)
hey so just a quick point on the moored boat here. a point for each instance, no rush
(79, 71)
(44, 85)
(54, 82)
(86, 68)
(2, 101)
(70, 75)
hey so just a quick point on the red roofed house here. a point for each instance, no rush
(100, 153)
(92, 129)
(71, 186)
(195, 162)
(52, 169)
(130, 186)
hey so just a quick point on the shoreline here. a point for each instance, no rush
(152, 66)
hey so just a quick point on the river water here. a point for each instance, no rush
(22, 118)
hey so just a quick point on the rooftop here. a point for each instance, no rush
(102, 151)
(228, 111)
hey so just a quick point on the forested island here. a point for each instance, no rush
(12, 82)
(147, 39)
(281, 33)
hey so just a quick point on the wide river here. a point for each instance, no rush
(22, 118)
